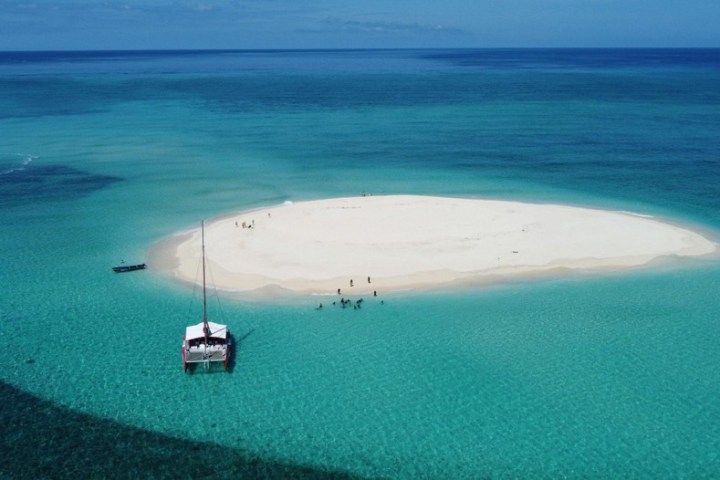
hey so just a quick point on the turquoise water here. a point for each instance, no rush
(102, 155)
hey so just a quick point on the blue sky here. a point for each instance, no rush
(170, 24)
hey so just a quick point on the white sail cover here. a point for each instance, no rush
(196, 331)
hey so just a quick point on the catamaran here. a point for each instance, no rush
(206, 342)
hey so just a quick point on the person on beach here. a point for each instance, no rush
(368, 279)
(351, 282)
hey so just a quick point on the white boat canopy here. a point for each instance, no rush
(196, 331)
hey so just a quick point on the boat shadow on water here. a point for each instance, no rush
(236, 345)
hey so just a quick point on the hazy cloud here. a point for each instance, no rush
(386, 27)
(80, 24)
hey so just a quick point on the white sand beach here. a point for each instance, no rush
(390, 243)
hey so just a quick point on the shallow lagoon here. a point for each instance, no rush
(576, 376)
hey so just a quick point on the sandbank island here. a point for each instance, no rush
(391, 243)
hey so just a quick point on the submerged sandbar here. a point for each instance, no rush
(390, 243)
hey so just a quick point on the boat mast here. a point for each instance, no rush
(206, 327)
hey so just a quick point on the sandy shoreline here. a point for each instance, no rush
(390, 243)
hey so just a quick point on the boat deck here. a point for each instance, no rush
(201, 354)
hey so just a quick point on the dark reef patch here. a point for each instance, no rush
(46, 183)
(43, 440)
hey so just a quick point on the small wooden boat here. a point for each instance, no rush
(206, 342)
(129, 268)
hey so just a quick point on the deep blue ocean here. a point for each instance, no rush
(103, 154)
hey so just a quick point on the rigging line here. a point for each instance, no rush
(197, 276)
(192, 303)
(216, 295)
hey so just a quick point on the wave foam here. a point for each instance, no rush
(27, 159)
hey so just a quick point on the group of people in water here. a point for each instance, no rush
(346, 303)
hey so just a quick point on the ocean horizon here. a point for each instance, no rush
(104, 154)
